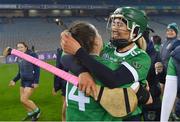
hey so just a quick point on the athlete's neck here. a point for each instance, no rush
(125, 49)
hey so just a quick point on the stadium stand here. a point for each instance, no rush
(93, 2)
(36, 32)
(43, 33)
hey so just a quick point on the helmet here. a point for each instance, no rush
(137, 20)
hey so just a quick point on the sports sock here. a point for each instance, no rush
(36, 110)
(30, 113)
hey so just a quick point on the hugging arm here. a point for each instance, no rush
(110, 78)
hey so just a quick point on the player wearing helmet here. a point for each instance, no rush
(127, 26)
(136, 24)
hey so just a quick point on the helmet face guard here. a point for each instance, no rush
(136, 21)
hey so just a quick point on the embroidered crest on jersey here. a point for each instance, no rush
(136, 65)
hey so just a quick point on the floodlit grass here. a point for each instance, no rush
(10, 107)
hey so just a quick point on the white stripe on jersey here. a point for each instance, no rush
(67, 93)
(132, 70)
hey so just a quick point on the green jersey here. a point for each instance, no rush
(171, 71)
(83, 108)
(136, 60)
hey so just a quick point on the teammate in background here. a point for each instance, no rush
(165, 51)
(59, 83)
(29, 75)
(172, 84)
(127, 26)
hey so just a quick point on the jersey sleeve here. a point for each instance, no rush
(170, 91)
(171, 71)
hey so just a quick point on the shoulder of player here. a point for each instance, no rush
(138, 52)
(140, 55)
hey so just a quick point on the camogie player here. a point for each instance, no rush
(29, 75)
(172, 84)
(77, 101)
(79, 106)
(127, 26)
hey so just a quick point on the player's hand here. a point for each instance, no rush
(12, 83)
(53, 92)
(87, 84)
(68, 43)
(35, 85)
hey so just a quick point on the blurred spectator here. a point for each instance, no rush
(146, 34)
(155, 77)
(156, 42)
(171, 37)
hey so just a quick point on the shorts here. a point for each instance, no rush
(27, 84)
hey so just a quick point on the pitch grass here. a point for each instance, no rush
(10, 107)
